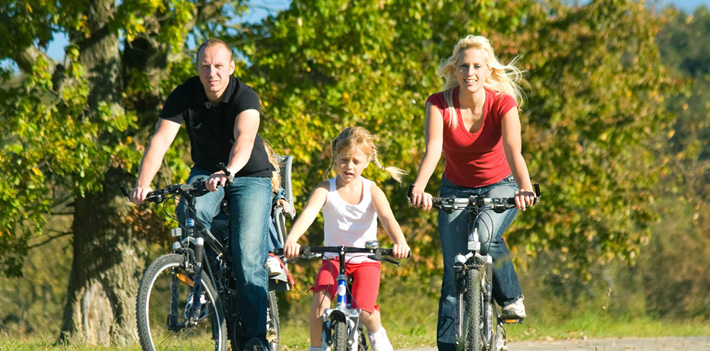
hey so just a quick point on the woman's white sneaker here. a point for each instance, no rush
(515, 309)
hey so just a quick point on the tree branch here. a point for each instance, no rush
(49, 239)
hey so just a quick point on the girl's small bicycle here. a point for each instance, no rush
(342, 329)
(480, 324)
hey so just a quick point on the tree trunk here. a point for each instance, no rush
(106, 268)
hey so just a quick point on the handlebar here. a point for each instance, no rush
(474, 202)
(310, 252)
(196, 189)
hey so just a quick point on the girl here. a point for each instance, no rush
(351, 205)
(474, 120)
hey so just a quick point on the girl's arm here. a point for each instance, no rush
(308, 215)
(384, 213)
(433, 137)
(512, 144)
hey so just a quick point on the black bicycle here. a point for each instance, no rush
(480, 324)
(342, 328)
(187, 299)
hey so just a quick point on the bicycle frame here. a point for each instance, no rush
(343, 312)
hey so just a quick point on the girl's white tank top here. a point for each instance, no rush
(347, 224)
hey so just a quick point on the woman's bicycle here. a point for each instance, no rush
(480, 323)
(342, 328)
(187, 299)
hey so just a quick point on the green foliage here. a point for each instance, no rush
(596, 102)
(52, 139)
(49, 141)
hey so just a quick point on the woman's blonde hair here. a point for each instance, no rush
(503, 78)
(359, 137)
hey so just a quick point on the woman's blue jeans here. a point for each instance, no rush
(453, 234)
(250, 206)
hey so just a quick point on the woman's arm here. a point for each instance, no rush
(434, 138)
(512, 145)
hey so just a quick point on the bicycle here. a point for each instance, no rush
(174, 313)
(342, 328)
(480, 323)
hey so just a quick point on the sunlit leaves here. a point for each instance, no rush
(592, 115)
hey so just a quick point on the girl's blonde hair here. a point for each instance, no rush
(276, 177)
(359, 137)
(503, 78)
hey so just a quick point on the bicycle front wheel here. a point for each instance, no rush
(473, 316)
(163, 297)
(340, 336)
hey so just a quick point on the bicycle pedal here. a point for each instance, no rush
(511, 320)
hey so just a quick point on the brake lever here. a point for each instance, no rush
(383, 258)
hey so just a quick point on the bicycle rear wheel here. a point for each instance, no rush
(160, 309)
(473, 316)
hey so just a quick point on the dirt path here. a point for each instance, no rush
(626, 344)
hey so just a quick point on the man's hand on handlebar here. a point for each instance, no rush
(219, 178)
(216, 180)
(138, 195)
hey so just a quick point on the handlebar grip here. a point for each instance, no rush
(124, 190)
(410, 191)
(537, 190)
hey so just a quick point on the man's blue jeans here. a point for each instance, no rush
(250, 204)
(453, 234)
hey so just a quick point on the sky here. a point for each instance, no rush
(56, 47)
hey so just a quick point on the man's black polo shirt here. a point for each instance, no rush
(211, 128)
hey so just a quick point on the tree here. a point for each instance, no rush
(595, 91)
(74, 130)
(595, 110)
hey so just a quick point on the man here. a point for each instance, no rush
(222, 115)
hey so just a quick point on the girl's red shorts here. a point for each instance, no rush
(366, 282)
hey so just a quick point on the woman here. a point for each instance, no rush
(475, 121)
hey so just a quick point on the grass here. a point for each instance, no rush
(602, 326)
(409, 312)
(295, 337)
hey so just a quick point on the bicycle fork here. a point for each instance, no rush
(341, 313)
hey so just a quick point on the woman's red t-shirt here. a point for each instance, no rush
(475, 159)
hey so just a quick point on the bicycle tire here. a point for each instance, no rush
(473, 300)
(163, 281)
(340, 336)
(273, 330)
